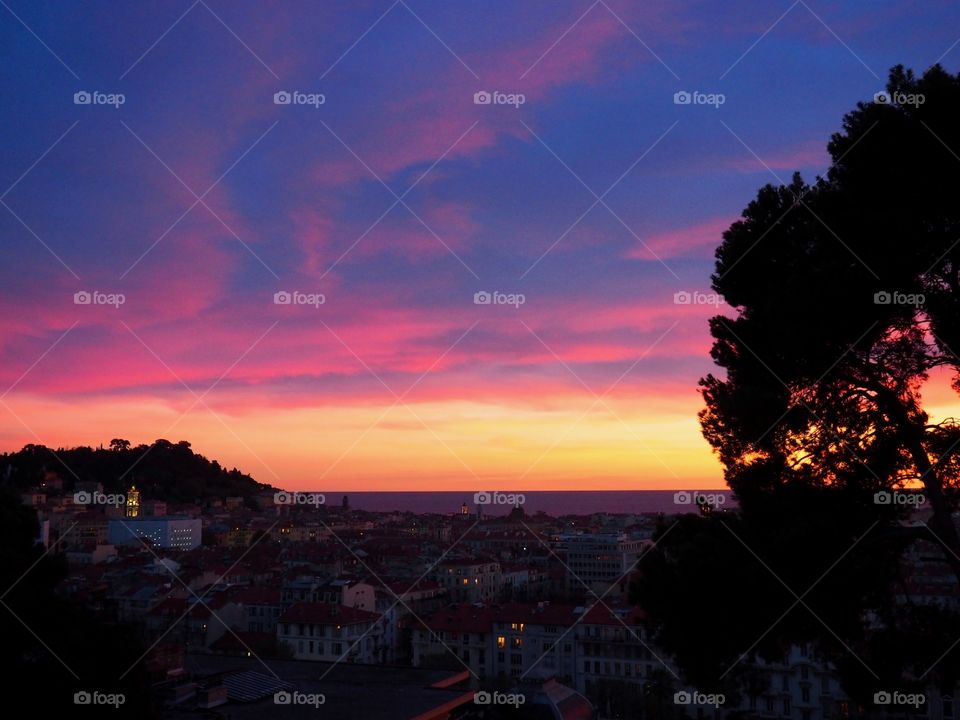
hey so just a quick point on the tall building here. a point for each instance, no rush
(596, 560)
(133, 502)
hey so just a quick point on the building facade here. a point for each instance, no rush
(174, 533)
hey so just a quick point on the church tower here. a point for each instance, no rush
(133, 502)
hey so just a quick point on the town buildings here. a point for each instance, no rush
(172, 532)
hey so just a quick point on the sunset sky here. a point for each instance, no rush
(397, 199)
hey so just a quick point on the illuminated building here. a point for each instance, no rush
(133, 502)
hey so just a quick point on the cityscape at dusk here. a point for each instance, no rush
(449, 360)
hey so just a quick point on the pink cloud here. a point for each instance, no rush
(811, 154)
(697, 240)
(392, 339)
(426, 122)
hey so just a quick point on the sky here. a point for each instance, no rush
(151, 235)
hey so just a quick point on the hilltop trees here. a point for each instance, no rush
(172, 471)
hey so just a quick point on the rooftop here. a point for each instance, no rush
(326, 614)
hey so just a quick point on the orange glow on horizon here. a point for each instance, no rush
(562, 442)
(565, 443)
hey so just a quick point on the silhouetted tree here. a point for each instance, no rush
(846, 296)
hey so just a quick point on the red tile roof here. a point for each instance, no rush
(326, 614)
(600, 615)
(480, 618)
(402, 587)
(535, 614)
(460, 618)
(456, 562)
(258, 596)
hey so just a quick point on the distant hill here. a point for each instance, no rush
(163, 470)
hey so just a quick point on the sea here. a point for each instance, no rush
(552, 502)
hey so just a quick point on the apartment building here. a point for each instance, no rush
(329, 632)
(597, 560)
(470, 580)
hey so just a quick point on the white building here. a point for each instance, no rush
(328, 632)
(596, 560)
(173, 532)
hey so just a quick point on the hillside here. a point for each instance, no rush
(163, 470)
